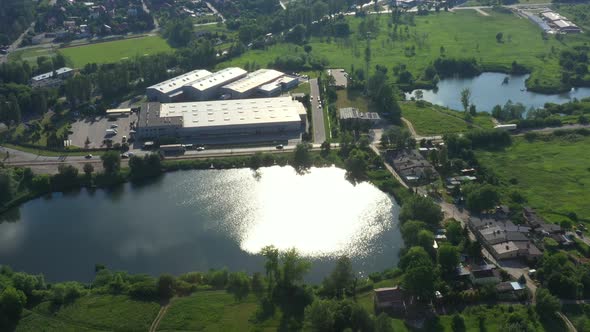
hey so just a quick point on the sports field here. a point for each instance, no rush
(462, 34)
(114, 51)
(553, 175)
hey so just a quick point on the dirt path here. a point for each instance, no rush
(158, 319)
(568, 323)
(410, 127)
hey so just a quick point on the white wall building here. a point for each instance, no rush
(227, 120)
(248, 85)
(209, 87)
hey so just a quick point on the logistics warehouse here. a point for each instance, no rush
(227, 119)
(228, 83)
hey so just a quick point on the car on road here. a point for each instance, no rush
(200, 148)
(88, 156)
(114, 125)
(320, 106)
(279, 147)
(125, 156)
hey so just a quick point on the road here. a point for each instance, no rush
(49, 164)
(147, 11)
(214, 10)
(282, 5)
(14, 45)
(317, 114)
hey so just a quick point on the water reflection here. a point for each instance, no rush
(197, 220)
(490, 89)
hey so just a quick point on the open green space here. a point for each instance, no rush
(114, 51)
(462, 34)
(354, 98)
(32, 321)
(553, 174)
(579, 14)
(436, 120)
(31, 54)
(211, 311)
(103, 312)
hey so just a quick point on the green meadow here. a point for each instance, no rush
(114, 51)
(553, 174)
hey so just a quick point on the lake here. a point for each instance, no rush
(202, 219)
(488, 90)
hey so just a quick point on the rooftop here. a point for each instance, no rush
(254, 80)
(218, 78)
(551, 16)
(45, 76)
(353, 113)
(505, 247)
(564, 24)
(179, 81)
(389, 294)
(234, 112)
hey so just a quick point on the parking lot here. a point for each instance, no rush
(95, 130)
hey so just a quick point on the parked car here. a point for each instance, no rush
(88, 156)
(279, 147)
(200, 148)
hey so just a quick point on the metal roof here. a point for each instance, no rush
(218, 78)
(254, 80)
(179, 81)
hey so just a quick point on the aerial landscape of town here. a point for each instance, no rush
(295, 165)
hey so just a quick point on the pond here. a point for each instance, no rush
(202, 219)
(489, 90)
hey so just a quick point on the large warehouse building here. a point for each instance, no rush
(248, 85)
(172, 89)
(209, 87)
(229, 83)
(225, 120)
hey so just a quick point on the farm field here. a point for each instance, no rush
(114, 51)
(433, 119)
(553, 175)
(474, 37)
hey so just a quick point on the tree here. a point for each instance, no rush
(271, 266)
(419, 94)
(410, 230)
(547, 304)
(448, 258)
(419, 280)
(257, 284)
(307, 49)
(422, 209)
(7, 186)
(465, 98)
(472, 110)
(415, 256)
(480, 197)
(426, 239)
(239, 285)
(383, 323)
(302, 157)
(12, 302)
(458, 323)
(499, 37)
(319, 316)
(111, 162)
(341, 281)
(166, 286)
(356, 164)
(454, 232)
(88, 169)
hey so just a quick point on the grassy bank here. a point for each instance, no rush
(436, 120)
(553, 174)
(114, 51)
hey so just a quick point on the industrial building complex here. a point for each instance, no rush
(227, 121)
(228, 83)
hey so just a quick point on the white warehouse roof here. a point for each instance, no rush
(178, 81)
(218, 78)
(254, 80)
(235, 112)
(564, 24)
(45, 76)
(551, 16)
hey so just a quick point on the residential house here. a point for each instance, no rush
(390, 299)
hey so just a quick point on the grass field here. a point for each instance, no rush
(31, 54)
(101, 312)
(31, 321)
(211, 311)
(432, 119)
(114, 51)
(463, 34)
(553, 175)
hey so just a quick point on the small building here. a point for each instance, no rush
(550, 16)
(485, 275)
(411, 165)
(54, 78)
(351, 114)
(566, 26)
(390, 299)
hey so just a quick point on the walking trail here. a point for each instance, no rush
(158, 319)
